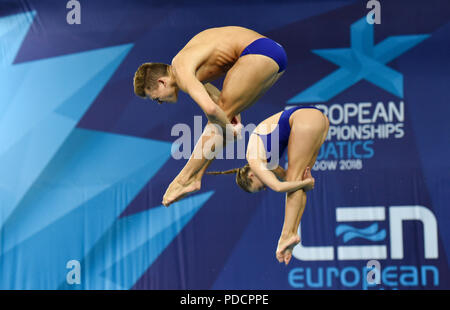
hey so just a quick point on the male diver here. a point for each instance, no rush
(251, 63)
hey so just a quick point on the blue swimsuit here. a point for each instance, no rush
(269, 48)
(284, 130)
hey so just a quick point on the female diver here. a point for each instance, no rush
(302, 130)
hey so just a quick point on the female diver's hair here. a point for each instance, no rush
(242, 178)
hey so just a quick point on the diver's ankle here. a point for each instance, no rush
(285, 235)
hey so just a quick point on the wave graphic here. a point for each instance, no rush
(369, 233)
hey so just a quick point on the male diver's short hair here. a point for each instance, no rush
(242, 178)
(147, 76)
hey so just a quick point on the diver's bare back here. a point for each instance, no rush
(216, 50)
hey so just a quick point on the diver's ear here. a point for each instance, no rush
(162, 81)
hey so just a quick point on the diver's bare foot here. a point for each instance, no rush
(285, 247)
(177, 191)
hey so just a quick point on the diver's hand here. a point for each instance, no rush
(237, 127)
(237, 131)
(307, 176)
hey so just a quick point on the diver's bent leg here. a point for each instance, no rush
(304, 144)
(189, 178)
(249, 78)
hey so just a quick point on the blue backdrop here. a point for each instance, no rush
(84, 163)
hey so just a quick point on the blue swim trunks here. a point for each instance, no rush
(269, 48)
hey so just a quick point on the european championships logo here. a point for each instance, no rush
(354, 127)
